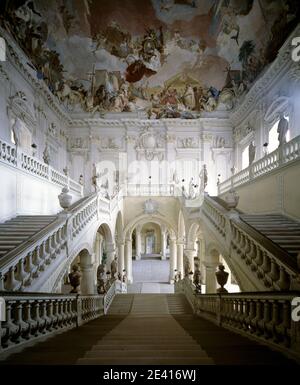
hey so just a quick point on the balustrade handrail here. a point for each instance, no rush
(273, 295)
(16, 157)
(44, 233)
(266, 243)
(278, 158)
(265, 317)
(33, 315)
(280, 254)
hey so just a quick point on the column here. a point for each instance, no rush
(180, 245)
(163, 242)
(128, 259)
(173, 259)
(87, 286)
(121, 261)
(138, 242)
(111, 252)
(210, 277)
(190, 255)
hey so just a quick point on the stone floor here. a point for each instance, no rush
(150, 287)
(150, 276)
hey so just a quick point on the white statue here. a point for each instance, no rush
(16, 129)
(191, 189)
(252, 150)
(46, 155)
(282, 129)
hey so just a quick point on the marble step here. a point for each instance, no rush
(145, 353)
(146, 361)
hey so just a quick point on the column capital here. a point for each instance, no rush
(190, 252)
(210, 265)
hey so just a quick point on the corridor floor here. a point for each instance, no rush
(148, 329)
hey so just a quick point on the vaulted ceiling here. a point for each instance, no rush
(170, 58)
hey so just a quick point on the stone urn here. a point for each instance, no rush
(65, 199)
(232, 199)
(222, 278)
(75, 279)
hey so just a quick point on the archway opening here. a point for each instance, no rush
(151, 268)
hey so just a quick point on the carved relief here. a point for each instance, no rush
(188, 142)
(78, 143)
(19, 107)
(150, 144)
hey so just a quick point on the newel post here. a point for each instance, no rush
(219, 308)
(78, 311)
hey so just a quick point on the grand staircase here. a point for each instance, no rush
(20, 229)
(148, 329)
(281, 230)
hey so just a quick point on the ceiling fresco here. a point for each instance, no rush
(169, 58)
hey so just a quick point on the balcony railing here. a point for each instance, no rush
(152, 190)
(284, 154)
(19, 159)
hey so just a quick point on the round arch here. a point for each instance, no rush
(192, 234)
(145, 218)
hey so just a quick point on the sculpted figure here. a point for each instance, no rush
(101, 279)
(282, 129)
(75, 279)
(114, 267)
(252, 150)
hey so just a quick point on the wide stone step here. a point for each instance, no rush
(146, 361)
(145, 353)
(179, 346)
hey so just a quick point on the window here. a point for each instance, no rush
(245, 157)
(273, 136)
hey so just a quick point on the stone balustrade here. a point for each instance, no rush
(272, 267)
(288, 152)
(151, 190)
(263, 316)
(15, 157)
(23, 266)
(33, 315)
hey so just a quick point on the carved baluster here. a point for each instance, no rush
(24, 328)
(252, 309)
(10, 328)
(284, 279)
(51, 316)
(33, 325)
(275, 320)
(267, 318)
(2, 284)
(36, 317)
(22, 275)
(45, 252)
(12, 284)
(47, 320)
(274, 274)
(55, 315)
(53, 246)
(266, 267)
